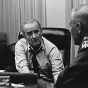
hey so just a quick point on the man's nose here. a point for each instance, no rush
(33, 35)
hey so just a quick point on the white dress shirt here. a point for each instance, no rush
(48, 55)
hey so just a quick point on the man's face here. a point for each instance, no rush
(33, 34)
(75, 33)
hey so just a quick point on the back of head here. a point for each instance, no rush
(80, 14)
(79, 23)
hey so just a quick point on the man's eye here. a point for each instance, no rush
(36, 31)
(29, 33)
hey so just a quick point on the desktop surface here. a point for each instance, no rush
(18, 80)
(22, 80)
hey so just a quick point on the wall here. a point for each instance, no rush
(14, 12)
(58, 12)
(55, 11)
(50, 13)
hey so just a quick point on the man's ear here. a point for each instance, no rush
(78, 26)
(20, 35)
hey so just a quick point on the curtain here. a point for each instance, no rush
(8, 18)
(14, 12)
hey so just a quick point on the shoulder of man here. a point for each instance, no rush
(49, 46)
(21, 42)
(84, 44)
(48, 42)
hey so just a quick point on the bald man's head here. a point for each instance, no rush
(80, 14)
(79, 23)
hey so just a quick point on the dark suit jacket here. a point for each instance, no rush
(76, 75)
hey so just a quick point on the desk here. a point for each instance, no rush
(32, 85)
(39, 84)
(29, 80)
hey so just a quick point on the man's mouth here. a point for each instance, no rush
(37, 41)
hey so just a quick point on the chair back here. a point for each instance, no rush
(6, 53)
(59, 36)
(62, 39)
(3, 51)
(3, 37)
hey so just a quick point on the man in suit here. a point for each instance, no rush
(76, 75)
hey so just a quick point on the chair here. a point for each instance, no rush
(3, 51)
(11, 51)
(3, 37)
(62, 39)
(6, 58)
(59, 36)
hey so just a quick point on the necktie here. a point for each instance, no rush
(35, 63)
(34, 60)
(39, 70)
(36, 67)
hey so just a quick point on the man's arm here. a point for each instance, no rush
(57, 63)
(21, 59)
(73, 75)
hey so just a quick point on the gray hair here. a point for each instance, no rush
(80, 14)
(28, 22)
